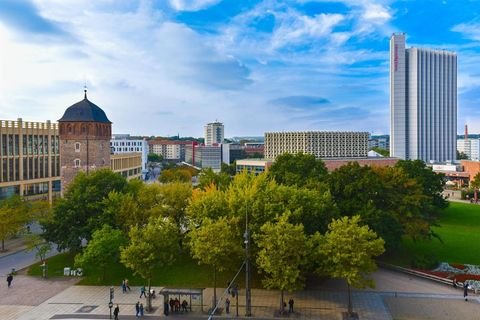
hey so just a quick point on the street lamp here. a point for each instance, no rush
(248, 302)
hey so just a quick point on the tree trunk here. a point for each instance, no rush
(149, 297)
(350, 311)
(282, 306)
(214, 286)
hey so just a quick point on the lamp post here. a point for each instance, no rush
(110, 304)
(248, 298)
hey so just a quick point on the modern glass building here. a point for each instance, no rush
(423, 102)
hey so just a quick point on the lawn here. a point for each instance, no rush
(459, 231)
(185, 272)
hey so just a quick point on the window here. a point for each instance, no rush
(76, 163)
(77, 146)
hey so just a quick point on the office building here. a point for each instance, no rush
(423, 102)
(123, 143)
(214, 133)
(202, 156)
(29, 159)
(232, 152)
(321, 144)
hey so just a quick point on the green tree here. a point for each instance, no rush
(176, 175)
(102, 249)
(347, 251)
(282, 256)
(461, 155)
(14, 214)
(81, 211)
(208, 176)
(36, 242)
(230, 169)
(153, 157)
(217, 244)
(297, 169)
(383, 152)
(432, 184)
(152, 246)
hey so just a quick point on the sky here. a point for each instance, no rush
(168, 67)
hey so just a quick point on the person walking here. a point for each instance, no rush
(116, 312)
(227, 306)
(127, 285)
(124, 286)
(9, 280)
(137, 309)
(290, 305)
(143, 292)
(465, 290)
(141, 310)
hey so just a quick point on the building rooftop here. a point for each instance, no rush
(85, 111)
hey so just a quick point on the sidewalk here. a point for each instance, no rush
(13, 245)
(33, 298)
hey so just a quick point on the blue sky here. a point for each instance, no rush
(162, 67)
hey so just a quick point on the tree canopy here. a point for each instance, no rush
(14, 214)
(80, 212)
(297, 169)
(347, 251)
(282, 256)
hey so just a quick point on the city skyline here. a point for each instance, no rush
(168, 67)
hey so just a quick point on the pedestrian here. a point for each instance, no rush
(127, 285)
(290, 305)
(227, 306)
(141, 309)
(142, 292)
(184, 305)
(177, 305)
(165, 307)
(116, 312)
(172, 305)
(124, 286)
(465, 290)
(137, 309)
(9, 279)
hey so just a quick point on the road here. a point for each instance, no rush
(19, 260)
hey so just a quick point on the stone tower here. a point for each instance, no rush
(85, 134)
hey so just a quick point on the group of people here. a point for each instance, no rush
(139, 311)
(290, 305)
(175, 305)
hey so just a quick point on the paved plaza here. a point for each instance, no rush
(397, 296)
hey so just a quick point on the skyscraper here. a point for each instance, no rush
(423, 102)
(214, 133)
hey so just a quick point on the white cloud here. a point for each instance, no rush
(469, 30)
(295, 28)
(192, 5)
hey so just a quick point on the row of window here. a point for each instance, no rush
(33, 168)
(32, 144)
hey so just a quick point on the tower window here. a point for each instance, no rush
(76, 163)
(77, 146)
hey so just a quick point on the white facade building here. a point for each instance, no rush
(470, 147)
(214, 133)
(423, 102)
(122, 143)
(322, 144)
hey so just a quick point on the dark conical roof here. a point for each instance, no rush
(85, 111)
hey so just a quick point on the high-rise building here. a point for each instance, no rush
(321, 144)
(214, 133)
(123, 143)
(423, 102)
